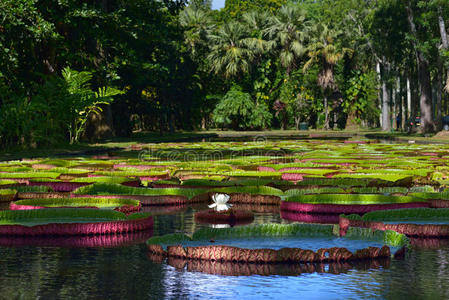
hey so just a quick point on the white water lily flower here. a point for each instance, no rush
(221, 226)
(220, 202)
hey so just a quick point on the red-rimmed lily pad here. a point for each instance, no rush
(68, 221)
(91, 241)
(349, 203)
(120, 204)
(414, 222)
(7, 195)
(232, 217)
(264, 244)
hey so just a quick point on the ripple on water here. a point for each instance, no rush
(127, 272)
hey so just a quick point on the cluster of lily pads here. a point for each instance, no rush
(307, 180)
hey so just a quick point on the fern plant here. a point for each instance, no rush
(83, 100)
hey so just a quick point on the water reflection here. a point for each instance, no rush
(247, 269)
(104, 241)
(127, 272)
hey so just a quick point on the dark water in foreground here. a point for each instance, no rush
(126, 272)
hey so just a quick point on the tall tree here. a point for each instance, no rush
(230, 54)
(289, 29)
(425, 102)
(324, 51)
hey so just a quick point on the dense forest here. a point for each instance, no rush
(73, 70)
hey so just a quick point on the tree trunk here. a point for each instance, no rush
(409, 98)
(444, 41)
(393, 107)
(403, 103)
(386, 124)
(379, 94)
(425, 89)
(425, 101)
(203, 122)
(326, 114)
(438, 106)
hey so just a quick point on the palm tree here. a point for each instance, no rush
(197, 24)
(230, 53)
(323, 51)
(289, 28)
(256, 26)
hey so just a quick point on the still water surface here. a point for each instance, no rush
(127, 272)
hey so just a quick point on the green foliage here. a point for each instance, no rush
(361, 95)
(170, 65)
(237, 110)
(83, 101)
(235, 8)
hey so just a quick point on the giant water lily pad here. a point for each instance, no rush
(276, 243)
(349, 203)
(66, 221)
(417, 222)
(125, 205)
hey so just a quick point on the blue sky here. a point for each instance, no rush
(217, 4)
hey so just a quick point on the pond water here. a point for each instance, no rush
(31, 272)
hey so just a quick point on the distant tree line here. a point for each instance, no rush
(171, 65)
